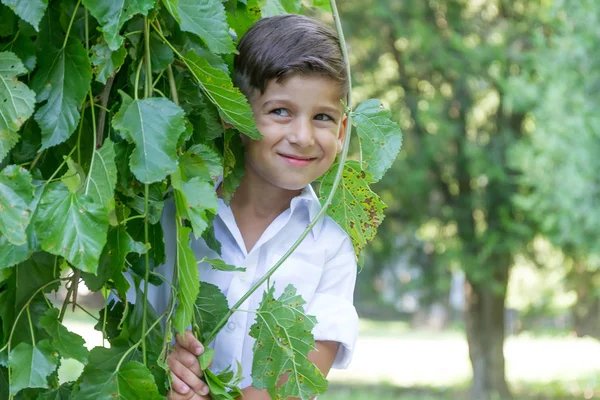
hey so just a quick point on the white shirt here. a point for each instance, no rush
(322, 268)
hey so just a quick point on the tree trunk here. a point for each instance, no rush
(485, 335)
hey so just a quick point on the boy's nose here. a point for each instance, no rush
(302, 133)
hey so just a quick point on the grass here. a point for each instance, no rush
(393, 361)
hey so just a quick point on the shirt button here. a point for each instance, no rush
(231, 326)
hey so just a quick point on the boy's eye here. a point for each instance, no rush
(323, 117)
(282, 112)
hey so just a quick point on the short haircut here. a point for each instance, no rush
(286, 45)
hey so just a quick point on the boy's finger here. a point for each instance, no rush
(189, 342)
(188, 359)
(187, 378)
(178, 387)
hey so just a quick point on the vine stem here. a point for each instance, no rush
(147, 93)
(71, 24)
(336, 182)
(87, 183)
(30, 327)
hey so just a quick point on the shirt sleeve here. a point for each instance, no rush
(333, 306)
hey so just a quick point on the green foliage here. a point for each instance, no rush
(283, 340)
(16, 101)
(132, 104)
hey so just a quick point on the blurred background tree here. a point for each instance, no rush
(498, 102)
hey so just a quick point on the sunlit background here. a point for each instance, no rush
(484, 279)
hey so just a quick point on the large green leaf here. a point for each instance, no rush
(205, 18)
(72, 226)
(241, 17)
(201, 161)
(101, 380)
(217, 85)
(107, 61)
(154, 125)
(63, 392)
(271, 8)
(210, 307)
(381, 137)
(31, 365)
(283, 340)
(31, 11)
(8, 21)
(112, 261)
(355, 207)
(63, 79)
(16, 194)
(102, 179)
(187, 271)
(195, 199)
(113, 14)
(17, 101)
(68, 344)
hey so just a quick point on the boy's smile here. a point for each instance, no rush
(303, 126)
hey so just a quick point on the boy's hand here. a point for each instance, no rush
(186, 371)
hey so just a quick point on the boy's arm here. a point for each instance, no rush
(322, 357)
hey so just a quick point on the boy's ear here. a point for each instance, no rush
(342, 134)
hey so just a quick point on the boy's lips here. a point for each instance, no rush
(296, 160)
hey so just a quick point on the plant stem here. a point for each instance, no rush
(148, 85)
(86, 311)
(71, 24)
(87, 183)
(137, 80)
(327, 202)
(172, 85)
(63, 309)
(103, 110)
(36, 159)
(30, 327)
(61, 165)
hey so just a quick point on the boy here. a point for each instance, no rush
(292, 72)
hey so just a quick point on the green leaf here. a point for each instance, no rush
(8, 21)
(221, 265)
(233, 169)
(135, 322)
(195, 199)
(72, 226)
(113, 14)
(63, 79)
(283, 340)
(63, 392)
(154, 125)
(270, 8)
(16, 194)
(217, 86)
(355, 207)
(31, 11)
(31, 365)
(381, 137)
(201, 161)
(11, 254)
(206, 357)
(210, 307)
(74, 176)
(217, 388)
(106, 61)
(17, 101)
(161, 55)
(102, 179)
(187, 271)
(101, 381)
(68, 344)
(241, 17)
(205, 18)
(112, 261)
(24, 48)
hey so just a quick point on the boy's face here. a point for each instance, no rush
(303, 125)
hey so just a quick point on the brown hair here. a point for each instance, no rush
(281, 46)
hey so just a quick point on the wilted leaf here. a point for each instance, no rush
(31, 365)
(189, 282)
(357, 209)
(107, 61)
(209, 308)
(380, 136)
(17, 101)
(68, 344)
(113, 14)
(154, 125)
(283, 340)
(72, 226)
(16, 194)
(63, 79)
(31, 11)
(218, 87)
